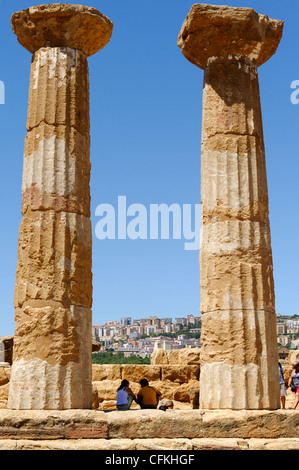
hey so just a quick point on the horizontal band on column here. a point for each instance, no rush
(235, 236)
(52, 332)
(234, 185)
(228, 282)
(238, 337)
(56, 171)
(54, 258)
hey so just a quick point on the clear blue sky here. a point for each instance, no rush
(146, 133)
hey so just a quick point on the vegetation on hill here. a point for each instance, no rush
(108, 357)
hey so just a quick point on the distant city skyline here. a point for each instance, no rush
(142, 336)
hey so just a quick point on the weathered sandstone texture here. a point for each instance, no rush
(158, 444)
(183, 357)
(6, 349)
(179, 383)
(150, 429)
(62, 25)
(53, 291)
(239, 353)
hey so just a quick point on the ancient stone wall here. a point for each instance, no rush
(177, 382)
(174, 382)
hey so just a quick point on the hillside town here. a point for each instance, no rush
(288, 331)
(139, 337)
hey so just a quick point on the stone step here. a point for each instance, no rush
(148, 424)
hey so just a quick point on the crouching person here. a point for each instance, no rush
(166, 404)
(125, 396)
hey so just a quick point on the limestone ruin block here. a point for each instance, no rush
(53, 291)
(239, 354)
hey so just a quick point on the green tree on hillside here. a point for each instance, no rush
(108, 357)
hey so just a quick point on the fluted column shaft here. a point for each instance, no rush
(53, 291)
(239, 355)
(56, 169)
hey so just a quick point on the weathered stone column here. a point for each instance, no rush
(239, 354)
(53, 292)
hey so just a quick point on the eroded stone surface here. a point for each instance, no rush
(211, 31)
(59, 89)
(53, 291)
(184, 357)
(62, 24)
(54, 259)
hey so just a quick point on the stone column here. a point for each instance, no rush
(53, 292)
(239, 356)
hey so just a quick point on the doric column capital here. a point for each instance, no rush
(220, 32)
(62, 25)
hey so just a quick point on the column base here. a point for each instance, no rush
(37, 385)
(225, 386)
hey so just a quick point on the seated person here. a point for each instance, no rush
(125, 396)
(147, 397)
